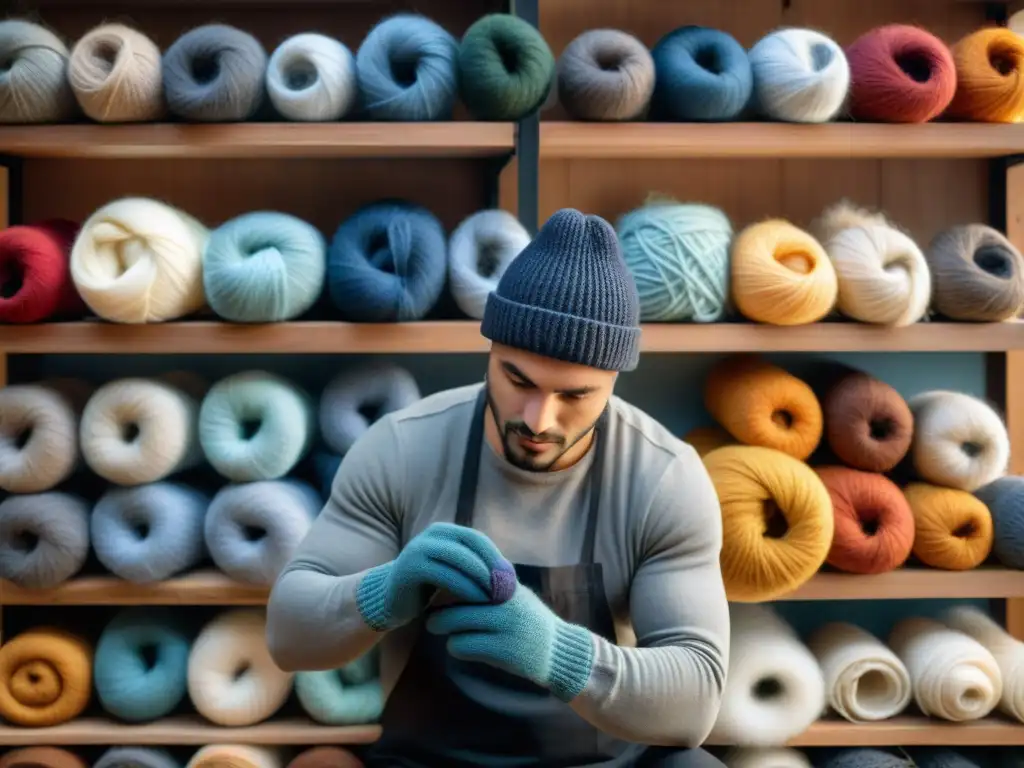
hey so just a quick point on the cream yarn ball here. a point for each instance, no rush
(116, 75)
(312, 77)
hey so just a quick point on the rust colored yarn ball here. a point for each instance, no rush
(35, 278)
(990, 77)
(325, 757)
(900, 73)
(874, 527)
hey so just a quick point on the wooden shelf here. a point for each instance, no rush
(914, 584)
(255, 140)
(912, 732)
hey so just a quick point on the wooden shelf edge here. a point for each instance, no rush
(909, 731)
(913, 584)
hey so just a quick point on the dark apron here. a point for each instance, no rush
(452, 713)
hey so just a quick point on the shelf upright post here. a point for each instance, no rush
(528, 140)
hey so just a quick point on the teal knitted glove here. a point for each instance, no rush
(456, 559)
(522, 636)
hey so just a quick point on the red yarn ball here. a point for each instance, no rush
(900, 74)
(35, 277)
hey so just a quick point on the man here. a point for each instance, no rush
(493, 538)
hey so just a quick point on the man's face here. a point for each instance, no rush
(543, 407)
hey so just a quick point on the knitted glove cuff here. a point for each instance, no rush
(372, 597)
(572, 657)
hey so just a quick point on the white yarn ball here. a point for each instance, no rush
(765, 757)
(312, 78)
(247, 755)
(38, 437)
(800, 76)
(479, 251)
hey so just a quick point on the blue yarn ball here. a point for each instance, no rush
(407, 68)
(700, 75)
(1005, 501)
(264, 267)
(387, 263)
(349, 695)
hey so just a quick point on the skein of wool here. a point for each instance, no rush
(479, 251)
(759, 403)
(943, 757)
(324, 757)
(765, 757)
(777, 521)
(359, 396)
(407, 69)
(952, 528)
(900, 73)
(706, 439)
(774, 689)
(862, 757)
(977, 274)
(1007, 650)
(1005, 501)
(138, 260)
(387, 263)
(953, 676)
(800, 76)
(864, 680)
(330, 699)
(116, 75)
(236, 640)
(605, 75)
(136, 757)
(215, 74)
(989, 77)
(781, 275)
(44, 538)
(33, 85)
(35, 273)
(312, 78)
(236, 756)
(45, 677)
(679, 257)
(41, 757)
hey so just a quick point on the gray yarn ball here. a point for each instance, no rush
(44, 538)
(605, 74)
(33, 75)
(136, 757)
(863, 757)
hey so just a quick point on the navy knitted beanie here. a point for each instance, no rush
(569, 295)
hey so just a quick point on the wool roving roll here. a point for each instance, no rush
(136, 757)
(138, 260)
(312, 78)
(774, 689)
(864, 680)
(765, 757)
(1007, 650)
(781, 275)
(407, 68)
(44, 538)
(236, 756)
(359, 396)
(41, 757)
(324, 757)
(387, 262)
(605, 75)
(862, 757)
(479, 251)
(954, 677)
(679, 257)
(1005, 501)
(800, 76)
(253, 530)
(35, 274)
(759, 403)
(232, 680)
(952, 528)
(977, 273)
(959, 440)
(116, 75)
(330, 699)
(777, 521)
(45, 677)
(33, 86)
(989, 76)
(215, 74)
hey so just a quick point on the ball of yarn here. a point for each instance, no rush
(899, 73)
(800, 76)
(264, 267)
(605, 75)
(959, 440)
(883, 275)
(989, 76)
(953, 529)
(407, 68)
(35, 277)
(1005, 501)
(479, 251)
(138, 260)
(978, 274)
(387, 263)
(45, 677)
(781, 275)
(41, 757)
(44, 538)
(863, 757)
(215, 73)
(33, 83)
(874, 527)
(312, 78)
(777, 521)
(325, 757)
(136, 757)
(701, 74)
(236, 756)
(116, 75)
(350, 695)
(678, 255)
(356, 398)
(765, 757)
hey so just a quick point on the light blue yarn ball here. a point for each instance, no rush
(351, 695)
(1005, 501)
(407, 68)
(679, 257)
(137, 757)
(264, 267)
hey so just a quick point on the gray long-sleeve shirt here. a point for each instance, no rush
(659, 536)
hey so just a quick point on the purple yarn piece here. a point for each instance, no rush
(503, 583)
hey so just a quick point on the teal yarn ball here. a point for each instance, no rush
(264, 267)
(506, 69)
(351, 695)
(679, 257)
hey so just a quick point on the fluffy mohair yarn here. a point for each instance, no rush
(312, 78)
(765, 757)
(607, 75)
(34, 86)
(479, 251)
(116, 75)
(44, 538)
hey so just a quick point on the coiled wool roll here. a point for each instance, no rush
(36, 273)
(1005, 501)
(989, 76)
(765, 757)
(236, 756)
(45, 677)
(312, 78)
(325, 757)
(952, 528)
(138, 260)
(1007, 650)
(232, 680)
(865, 757)
(44, 538)
(116, 75)
(136, 757)
(606, 75)
(34, 87)
(864, 680)
(777, 521)
(774, 689)
(356, 398)
(41, 757)
(954, 677)
(330, 699)
(479, 251)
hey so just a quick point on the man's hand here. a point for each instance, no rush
(521, 636)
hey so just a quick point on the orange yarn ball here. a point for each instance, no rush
(990, 77)
(953, 528)
(45, 677)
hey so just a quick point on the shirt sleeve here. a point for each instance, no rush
(313, 621)
(667, 691)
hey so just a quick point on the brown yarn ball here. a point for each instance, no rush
(115, 73)
(325, 757)
(977, 274)
(41, 757)
(607, 75)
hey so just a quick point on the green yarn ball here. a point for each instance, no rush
(506, 68)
